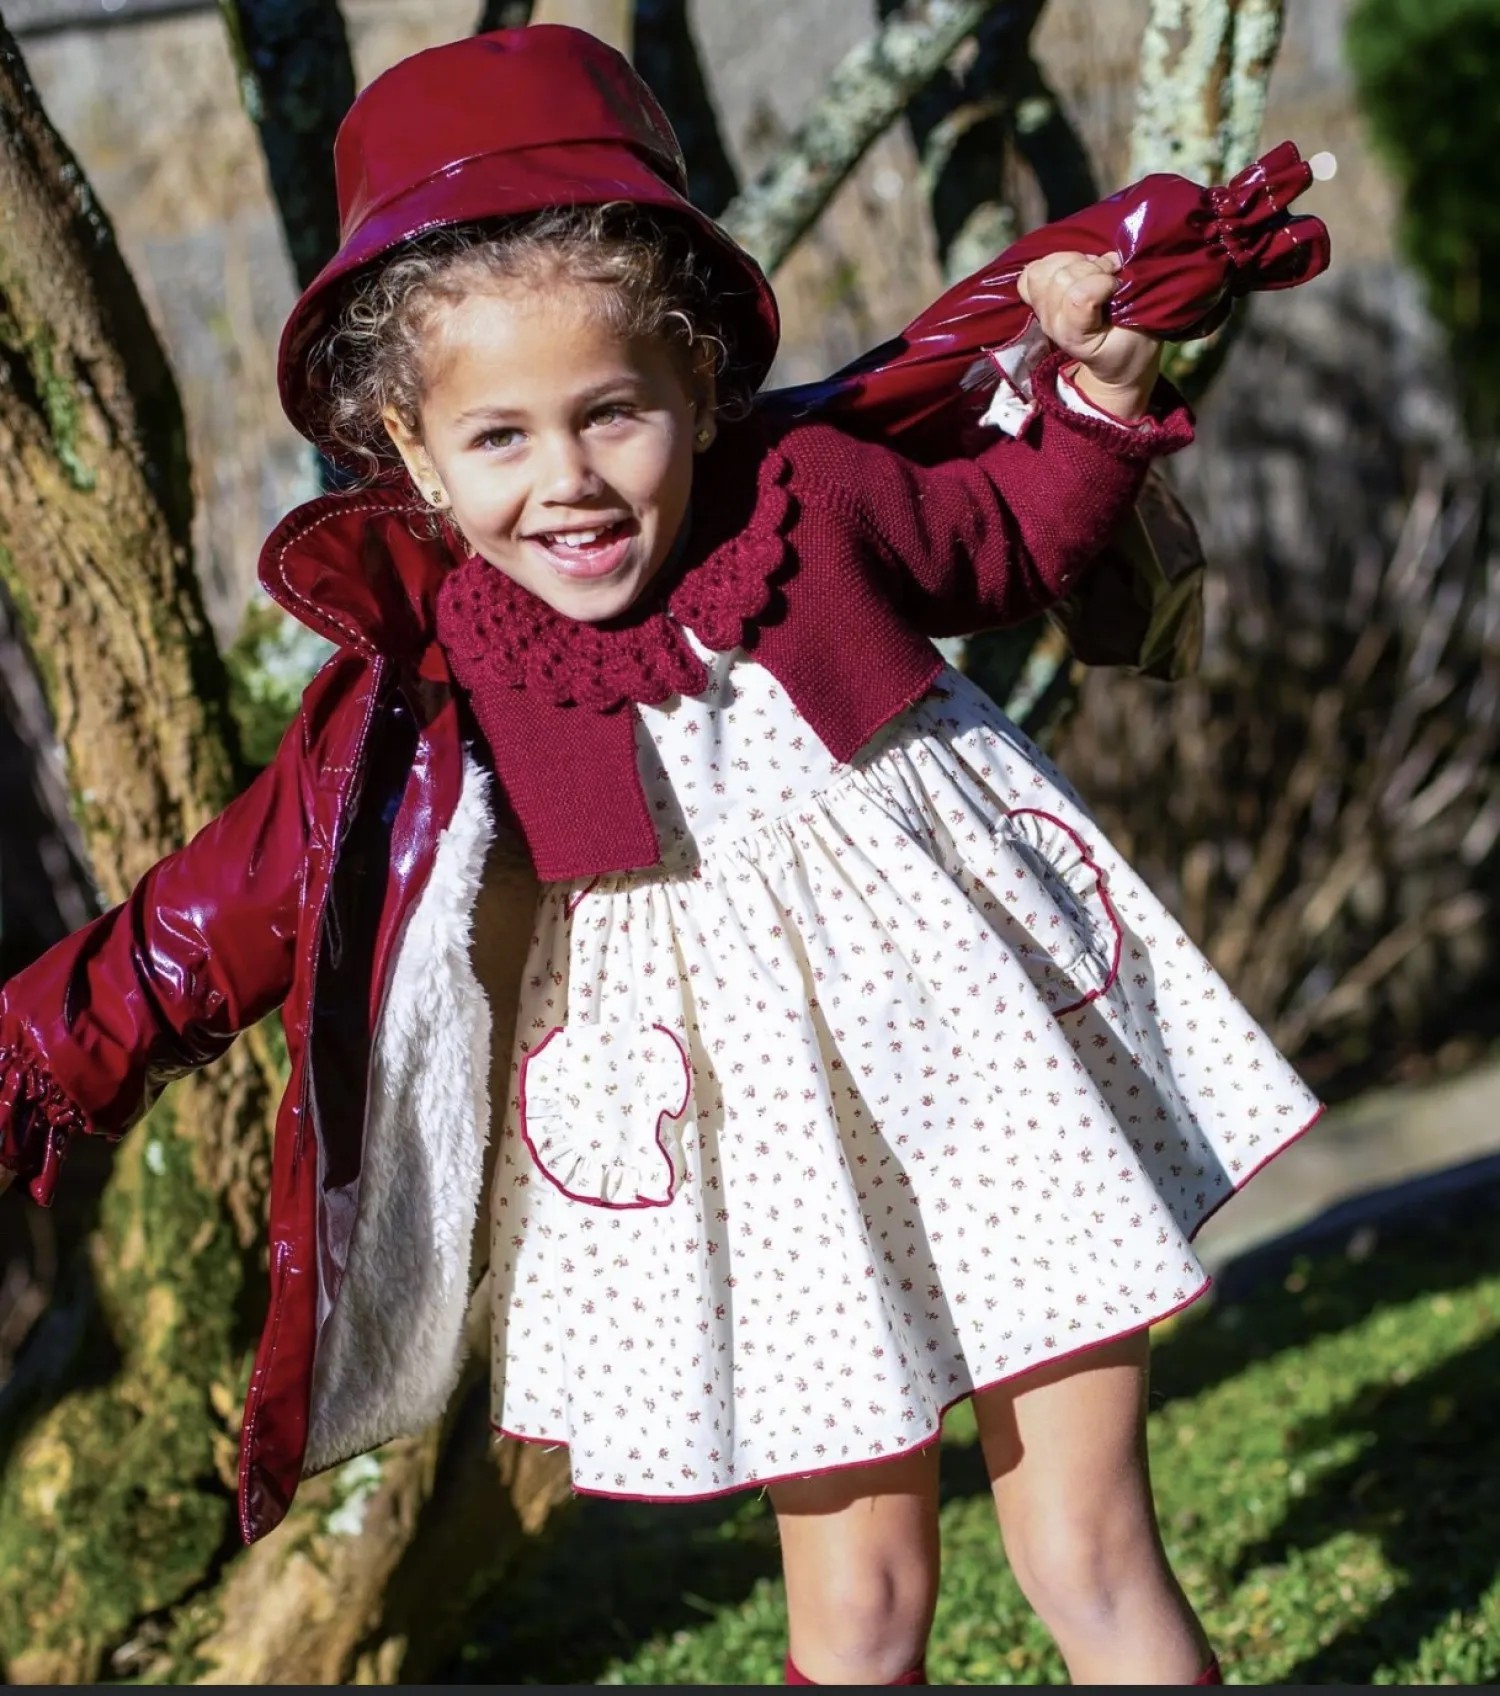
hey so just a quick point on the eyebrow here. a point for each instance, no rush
(588, 397)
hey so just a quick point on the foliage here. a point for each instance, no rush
(1328, 1477)
(1426, 72)
(269, 664)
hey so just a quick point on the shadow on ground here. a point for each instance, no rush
(613, 1575)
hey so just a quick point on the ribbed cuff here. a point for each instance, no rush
(1166, 427)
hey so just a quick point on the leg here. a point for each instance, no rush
(1066, 1452)
(860, 1551)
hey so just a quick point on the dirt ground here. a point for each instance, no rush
(152, 112)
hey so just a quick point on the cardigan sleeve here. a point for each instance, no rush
(992, 539)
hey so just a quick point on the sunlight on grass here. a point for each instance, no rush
(1327, 1464)
(1283, 1495)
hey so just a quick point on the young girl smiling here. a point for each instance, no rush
(853, 1072)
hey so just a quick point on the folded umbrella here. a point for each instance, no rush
(1188, 252)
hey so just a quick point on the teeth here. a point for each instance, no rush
(576, 538)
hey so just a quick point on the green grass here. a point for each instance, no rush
(1327, 1464)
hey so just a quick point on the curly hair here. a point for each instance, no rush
(649, 281)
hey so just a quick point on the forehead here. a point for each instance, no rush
(530, 340)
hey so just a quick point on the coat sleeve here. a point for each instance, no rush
(995, 537)
(201, 949)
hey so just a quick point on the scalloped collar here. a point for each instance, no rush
(498, 634)
(360, 570)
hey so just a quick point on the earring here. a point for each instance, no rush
(436, 498)
(704, 437)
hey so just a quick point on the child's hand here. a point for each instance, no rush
(5, 1178)
(1069, 293)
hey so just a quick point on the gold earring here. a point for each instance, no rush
(704, 437)
(436, 498)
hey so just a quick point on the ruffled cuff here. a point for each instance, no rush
(1034, 378)
(36, 1118)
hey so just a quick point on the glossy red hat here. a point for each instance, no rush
(499, 125)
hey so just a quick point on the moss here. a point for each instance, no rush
(112, 1508)
(52, 392)
(60, 406)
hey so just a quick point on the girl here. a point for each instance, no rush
(854, 1073)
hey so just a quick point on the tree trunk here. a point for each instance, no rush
(296, 82)
(118, 1429)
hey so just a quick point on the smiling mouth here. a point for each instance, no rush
(586, 553)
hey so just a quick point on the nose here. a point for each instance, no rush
(567, 475)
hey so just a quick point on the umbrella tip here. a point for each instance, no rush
(1323, 166)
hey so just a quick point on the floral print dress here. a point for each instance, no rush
(892, 1081)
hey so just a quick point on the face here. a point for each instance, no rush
(564, 451)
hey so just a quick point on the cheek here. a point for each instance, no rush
(658, 472)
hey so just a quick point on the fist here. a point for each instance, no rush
(1070, 295)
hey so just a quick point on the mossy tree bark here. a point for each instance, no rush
(118, 1555)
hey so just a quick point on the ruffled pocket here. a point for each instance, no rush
(597, 1111)
(1071, 937)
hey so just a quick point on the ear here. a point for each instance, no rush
(705, 397)
(414, 456)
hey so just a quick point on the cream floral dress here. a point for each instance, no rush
(891, 1082)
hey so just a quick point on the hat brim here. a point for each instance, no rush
(504, 185)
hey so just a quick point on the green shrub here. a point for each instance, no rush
(1428, 78)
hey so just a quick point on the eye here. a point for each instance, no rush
(611, 412)
(502, 436)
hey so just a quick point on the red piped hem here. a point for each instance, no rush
(935, 1435)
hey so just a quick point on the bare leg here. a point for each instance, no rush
(1066, 1451)
(860, 1551)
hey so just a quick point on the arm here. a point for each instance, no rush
(201, 949)
(995, 538)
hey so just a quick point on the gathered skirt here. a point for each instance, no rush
(888, 1092)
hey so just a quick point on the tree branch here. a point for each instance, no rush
(1046, 140)
(666, 55)
(296, 82)
(503, 14)
(1200, 101)
(866, 93)
(962, 123)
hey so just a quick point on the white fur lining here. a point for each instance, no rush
(391, 1350)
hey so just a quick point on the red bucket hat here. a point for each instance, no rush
(494, 126)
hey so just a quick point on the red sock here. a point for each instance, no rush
(917, 1675)
(1210, 1673)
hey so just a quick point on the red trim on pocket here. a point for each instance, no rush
(1101, 884)
(661, 1119)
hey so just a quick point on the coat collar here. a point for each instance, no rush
(363, 570)
(360, 570)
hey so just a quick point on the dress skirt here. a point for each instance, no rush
(892, 1082)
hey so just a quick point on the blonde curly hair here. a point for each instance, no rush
(649, 281)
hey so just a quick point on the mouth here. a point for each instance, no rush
(586, 553)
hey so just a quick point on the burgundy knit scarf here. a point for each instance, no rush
(555, 697)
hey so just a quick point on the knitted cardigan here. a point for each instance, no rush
(832, 561)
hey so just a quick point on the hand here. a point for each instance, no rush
(1069, 293)
(6, 1178)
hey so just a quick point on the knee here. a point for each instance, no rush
(1078, 1571)
(868, 1626)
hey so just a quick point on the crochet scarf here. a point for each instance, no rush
(555, 698)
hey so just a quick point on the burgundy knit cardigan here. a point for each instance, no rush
(831, 560)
